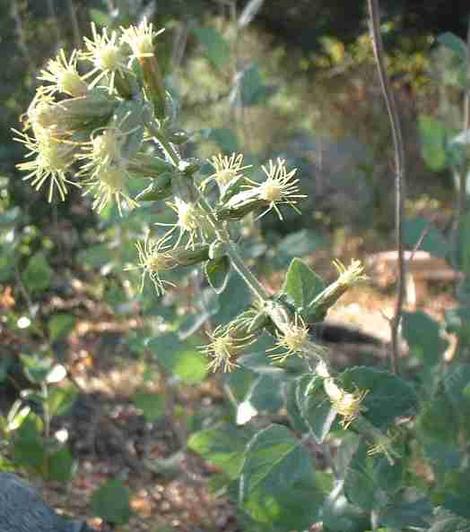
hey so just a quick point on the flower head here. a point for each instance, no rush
(38, 115)
(140, 39)
(102, 149)
(279, 188)
(153, 258)
(51, 159)
(292, 340)
(349, 275)
(227, 169)
(347, 404)
(63, 75)
(107, 184)
(190, 221)
(105, 53)
(224, 348)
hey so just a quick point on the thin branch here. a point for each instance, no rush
(374, 19)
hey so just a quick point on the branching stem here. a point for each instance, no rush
(400, 172)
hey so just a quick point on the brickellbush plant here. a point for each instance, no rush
(104, 123)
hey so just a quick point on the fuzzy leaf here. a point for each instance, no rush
(151, 404)
(111, 502)
(314, 406)
(223, 446)
(277, 484)
(215, 46)
(422, 335)
(301, 285)
(388, 396)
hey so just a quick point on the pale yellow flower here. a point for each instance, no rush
(63, 75)
(279, 188)
(153, 258)
(104, 51)
(293, 340)
(50, 161)
(227, 168)
(140, 39)
(225, 348)
(108, 184)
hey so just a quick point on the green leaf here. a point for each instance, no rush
(433, 142)
(129, 118)
(36, 367)
(223, 446)
(388, 396)
(371, 481)
(7, 262)
(215, 46)
(217, 272)
(454, 43)
(434, 242)
(251, 88)
(60, 465)
(422, 335)
(446, 521)
(28, 446)
(60, 400)
(179, 358)
(458, 322)
(407, 511)
(151, 404)
(457, 385)
(111, 502)
(301, 285)
(437, 430)
(300, 243)
(277, 483)
(233, 300)
(225, 138)
(266, 394)
(314, 406)
(37, 275)
(60, 325)
(339, 515)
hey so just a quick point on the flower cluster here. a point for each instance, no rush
(76, 129)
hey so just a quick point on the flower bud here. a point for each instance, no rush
(348, 276)
(84, 113)
(159, 188)
(240, 205)
(146, 165)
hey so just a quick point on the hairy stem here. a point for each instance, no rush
(400, 172)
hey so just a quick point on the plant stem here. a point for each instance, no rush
(400, 172)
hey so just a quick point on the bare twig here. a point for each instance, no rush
(398, 145)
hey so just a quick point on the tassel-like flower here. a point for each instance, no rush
(105, 53)
(140, 39)
(227, 169)
(279, 188)
(224, 348)
(191, 221)
(157, 256)
(107, 184)
(50, 162)
(348, 405)
(293, 339)
(63, 76)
